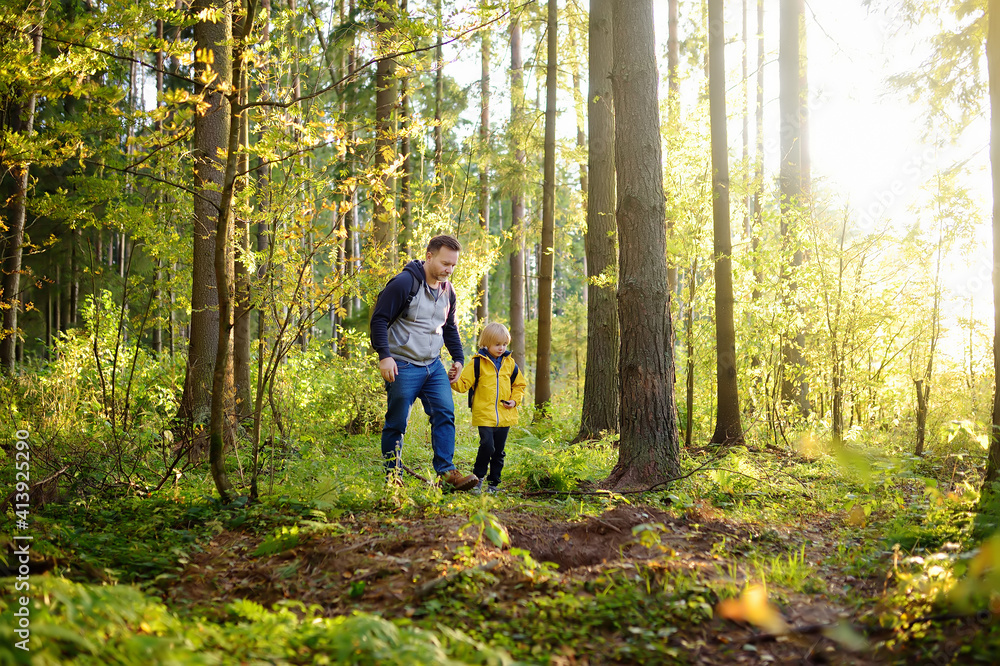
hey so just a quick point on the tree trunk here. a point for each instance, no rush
(689, 379)
(10, 295)
(346, 302)
(745, 133)
(483, 308)
(793, 387)
(674, 107)
(600, 388)
(728, 428)
(211, 129)
(543, 390)
(806, 164)
(438, 101)
(517, 256)
(918, 384)
(924, 387)
(406, 169)
(242, 306)
(224, 257)
(758, 177)
(157, 342)
(993, 62)
(384, 190)
(648, 448)
(74, 284)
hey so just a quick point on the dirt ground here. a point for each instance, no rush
(389, 567)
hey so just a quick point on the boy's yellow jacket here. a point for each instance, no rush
(494, 386)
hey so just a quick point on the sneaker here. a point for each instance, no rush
(455, 480)
(492, 490)
(478, 488)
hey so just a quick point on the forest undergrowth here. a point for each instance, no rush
(763, 554)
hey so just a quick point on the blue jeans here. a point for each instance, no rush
(491, 454)
(430, 384)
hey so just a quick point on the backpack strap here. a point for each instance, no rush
(475, 371)
(414, 288)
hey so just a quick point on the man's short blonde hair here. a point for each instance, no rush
(494, 333)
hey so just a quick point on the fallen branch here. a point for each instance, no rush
(422, 478)
(10, 498)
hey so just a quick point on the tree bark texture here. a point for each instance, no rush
(689, 375)
(483, 307)
(728, 428)
(438, 101)
(993, 63)
(517, 256)
(211, 130)
(23, 122)
(758, 177)
(242, 305)
(648, 446)
(600, 387)
(546, 266)
(224, 260)
(674, 105)
(793, 387)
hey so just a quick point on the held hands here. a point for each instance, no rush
(387, 368)
(454, 372)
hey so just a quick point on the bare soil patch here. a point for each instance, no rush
(384, 566)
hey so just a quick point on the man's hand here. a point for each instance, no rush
(454, 372)
(387, 368)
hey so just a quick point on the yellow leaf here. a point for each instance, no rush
(753, 607)
(986, 558)
(856, 516)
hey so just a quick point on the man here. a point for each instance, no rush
(413, 318)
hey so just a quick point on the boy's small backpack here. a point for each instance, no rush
(475, 371)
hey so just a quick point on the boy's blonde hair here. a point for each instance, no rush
(494, 333)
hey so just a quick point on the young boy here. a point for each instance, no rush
(497, 392)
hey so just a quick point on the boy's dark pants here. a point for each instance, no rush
(491, 455)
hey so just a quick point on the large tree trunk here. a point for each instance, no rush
(600, 388)
(517, 196)
(211, 130)
(384, 191)
(22, 121)
(224, 256)
(993, 62)
(543, 391)
(648, 448)
(793, 386)
(483, 308)
(728, 428)
(673, 113)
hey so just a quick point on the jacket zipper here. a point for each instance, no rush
(496, 404)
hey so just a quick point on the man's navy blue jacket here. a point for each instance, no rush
(393, 298)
